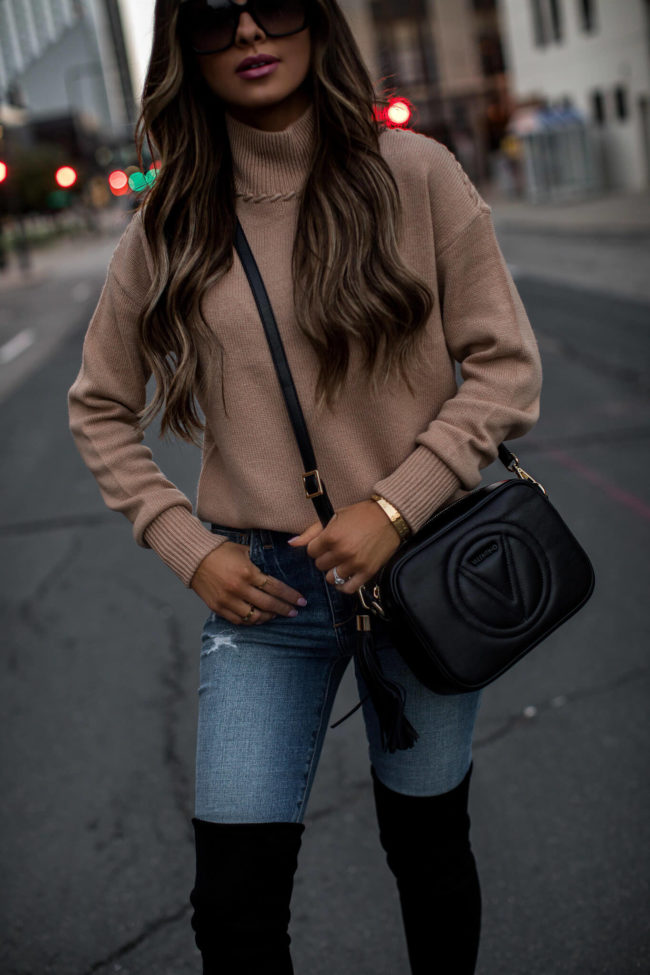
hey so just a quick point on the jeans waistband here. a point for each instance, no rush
(268, 538)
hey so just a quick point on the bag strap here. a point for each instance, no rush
(312, 481)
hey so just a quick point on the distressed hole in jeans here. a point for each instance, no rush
(222, 641)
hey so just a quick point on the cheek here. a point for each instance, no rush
(303, 57)
(216, 74)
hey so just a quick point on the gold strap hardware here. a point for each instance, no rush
(363, 622)
(372, 601)
(522, 474)
(319, 484)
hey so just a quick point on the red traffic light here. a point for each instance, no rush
(118, 182)
(398, 114)
(3, 172)
(65, 177)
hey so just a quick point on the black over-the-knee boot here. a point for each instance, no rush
(241, 896)
(426, 839)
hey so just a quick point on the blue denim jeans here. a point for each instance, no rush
(266, 694)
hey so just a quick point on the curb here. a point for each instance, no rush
(580, 230)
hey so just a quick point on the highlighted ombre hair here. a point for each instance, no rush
(354, 285)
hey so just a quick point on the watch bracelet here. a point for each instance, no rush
(397, 521)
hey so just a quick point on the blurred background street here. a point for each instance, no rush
(546, 104)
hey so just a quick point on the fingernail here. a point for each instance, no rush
(301, 601)
(295, 537)
(294, 612)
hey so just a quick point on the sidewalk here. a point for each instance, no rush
(617, 214)
(54, 297)
(67, 255)
(599, 245)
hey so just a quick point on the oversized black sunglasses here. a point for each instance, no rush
(210, 26)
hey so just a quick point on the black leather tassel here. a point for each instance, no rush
(387, 696)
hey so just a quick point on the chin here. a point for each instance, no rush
(265, 99)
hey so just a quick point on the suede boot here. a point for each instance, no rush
(426, 839)
(241, 895)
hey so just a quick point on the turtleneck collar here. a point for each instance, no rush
(271, 164)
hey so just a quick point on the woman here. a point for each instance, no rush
(382, 268)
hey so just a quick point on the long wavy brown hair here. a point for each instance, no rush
(354, 285)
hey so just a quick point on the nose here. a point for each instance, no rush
(247, 30)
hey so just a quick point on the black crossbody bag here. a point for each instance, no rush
(483, 581)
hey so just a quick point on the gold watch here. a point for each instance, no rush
(397, 521)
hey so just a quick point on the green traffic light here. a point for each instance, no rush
(137, 182)
(140, 181)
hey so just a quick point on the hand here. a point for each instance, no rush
(358, 540)
(229, 584)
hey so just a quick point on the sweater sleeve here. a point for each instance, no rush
(488, 332)
(104, 402)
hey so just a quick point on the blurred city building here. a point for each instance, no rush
(445, 57)
(66, 57)
(580, 70)
(66, 99)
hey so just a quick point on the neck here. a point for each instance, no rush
(272, 118)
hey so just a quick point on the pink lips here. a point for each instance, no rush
(257, 66)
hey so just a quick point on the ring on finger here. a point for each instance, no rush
(246, 618)
(339, 580)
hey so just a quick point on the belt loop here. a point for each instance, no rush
(266, 538)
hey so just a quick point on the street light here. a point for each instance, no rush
(65, 177)
(4, 172)
(118, 182)
(398, 112)
(396, 115)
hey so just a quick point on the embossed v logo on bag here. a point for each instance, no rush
(499, 579)
(493, 571)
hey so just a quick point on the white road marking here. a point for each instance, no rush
(16, 346)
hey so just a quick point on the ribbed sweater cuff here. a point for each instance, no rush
(181, 541)
(418, 486)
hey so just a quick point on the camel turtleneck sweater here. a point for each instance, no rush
(417, 451)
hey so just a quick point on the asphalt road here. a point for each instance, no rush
(99, 663)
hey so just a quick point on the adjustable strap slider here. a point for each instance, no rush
(313, 484)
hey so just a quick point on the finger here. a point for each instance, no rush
(343, 572)
(242, 608)
(352, 583)
(258, 618)
(234, 618)
(327, 561)
(280, 590)
(321, 544)
(240, 604)
(268, 603)
(307, 536)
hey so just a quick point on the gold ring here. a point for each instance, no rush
(265, 583)
(246, 618)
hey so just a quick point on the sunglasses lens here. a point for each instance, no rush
(211, 28)
(208, 28)
(279, 17)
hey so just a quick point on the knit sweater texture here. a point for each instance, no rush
(418, 451)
